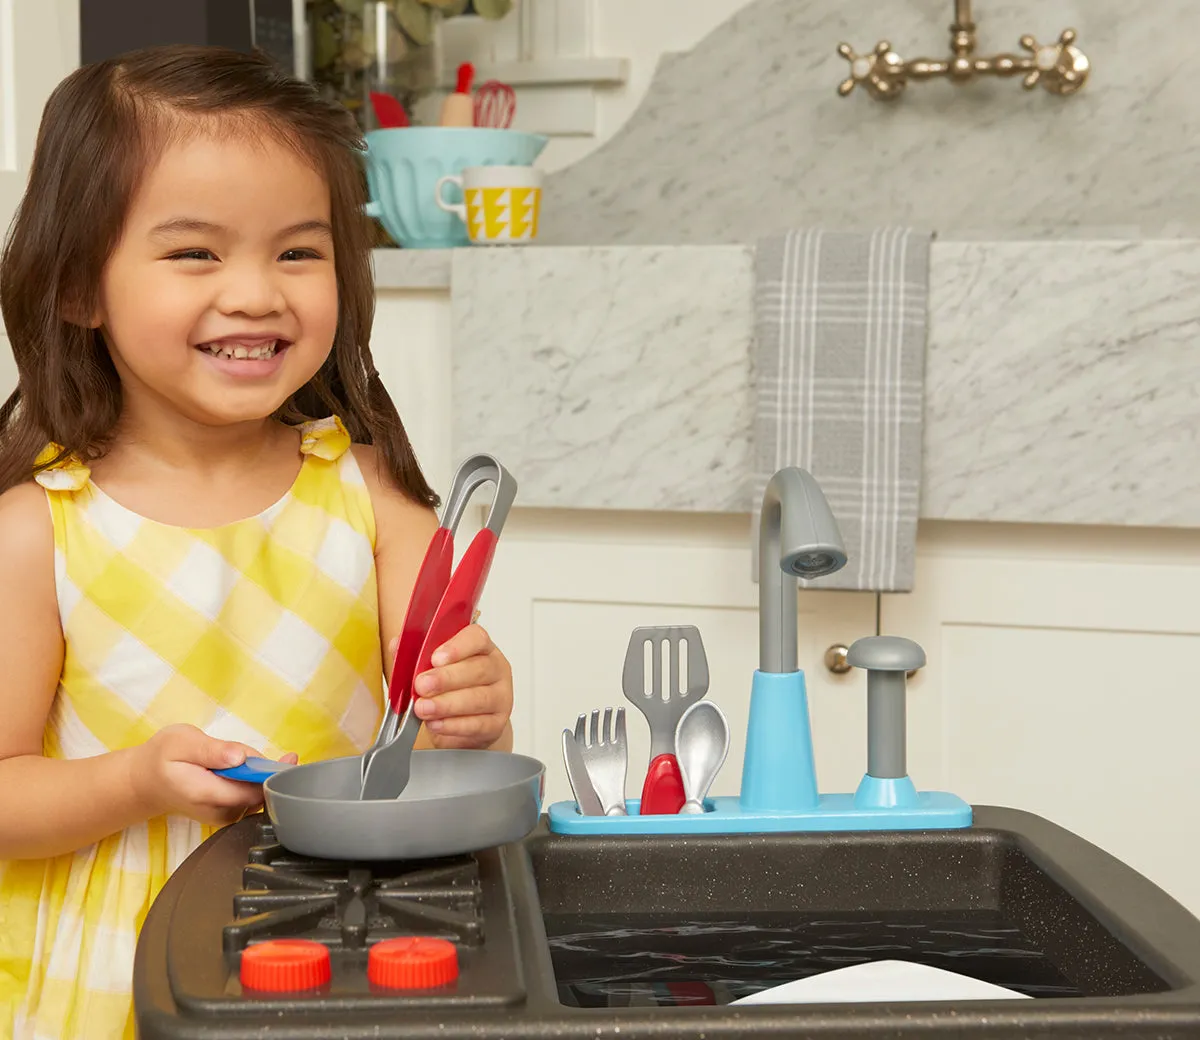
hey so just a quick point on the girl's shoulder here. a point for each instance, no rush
(31, 637)
(23, 509)
(26, 534)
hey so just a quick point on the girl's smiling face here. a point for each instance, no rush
(220, 300)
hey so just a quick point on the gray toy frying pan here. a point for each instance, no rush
(455, 802)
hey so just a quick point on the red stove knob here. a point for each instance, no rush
(417, 962)
(285, 965)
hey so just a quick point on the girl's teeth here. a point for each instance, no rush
(239, 352)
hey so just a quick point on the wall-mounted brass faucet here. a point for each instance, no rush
(1060, 67)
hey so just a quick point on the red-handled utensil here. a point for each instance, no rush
(663, 703)
(389, 113)
(461, 597)
(432, 579)
(662, 793)
(495, 104)
(441, 605)
(459, 108)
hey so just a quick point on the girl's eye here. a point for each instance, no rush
(192, 254)
(300, 254)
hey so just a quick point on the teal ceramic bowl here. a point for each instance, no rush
(403, 167)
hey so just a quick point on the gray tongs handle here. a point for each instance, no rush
(472, 474)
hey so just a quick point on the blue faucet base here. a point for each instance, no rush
(778, 773)
(934, 810)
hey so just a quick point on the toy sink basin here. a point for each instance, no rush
(650, 927)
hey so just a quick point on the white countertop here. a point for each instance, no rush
(402, 269)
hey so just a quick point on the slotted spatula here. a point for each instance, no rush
(663, 791)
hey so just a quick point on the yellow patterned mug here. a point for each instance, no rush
(501, 203)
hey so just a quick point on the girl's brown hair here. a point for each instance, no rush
(100, 129)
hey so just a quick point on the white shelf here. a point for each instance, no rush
(546, 51)
(552, 72)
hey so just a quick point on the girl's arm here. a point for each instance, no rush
(53, 806)
(46, 807)
(402, 533)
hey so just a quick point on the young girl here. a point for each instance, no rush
(210, 514)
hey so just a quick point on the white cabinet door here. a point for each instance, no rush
(1064, 668)
(566, 590)
(39, 45)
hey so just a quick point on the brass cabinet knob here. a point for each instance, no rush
(836, 662)
(835, 659)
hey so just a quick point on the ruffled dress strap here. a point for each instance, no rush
(58, 470)
(326, 439)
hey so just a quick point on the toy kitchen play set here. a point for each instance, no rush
(414, 894)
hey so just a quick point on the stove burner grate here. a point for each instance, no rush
(351, 906)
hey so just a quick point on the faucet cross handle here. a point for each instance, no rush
(1062, 68)
(881, 72)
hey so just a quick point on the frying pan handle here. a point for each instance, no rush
(254, 770)
(472, 474)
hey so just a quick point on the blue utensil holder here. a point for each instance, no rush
(779, 786)
(404, 165)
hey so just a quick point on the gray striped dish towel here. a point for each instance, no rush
(840, 322)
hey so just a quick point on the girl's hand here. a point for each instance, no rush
(466, 699)
(172, 773)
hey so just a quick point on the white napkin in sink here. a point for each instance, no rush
(890, 981)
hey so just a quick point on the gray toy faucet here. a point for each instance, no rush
(797, 536)
(886, 659)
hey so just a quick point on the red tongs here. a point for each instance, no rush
(441, 605)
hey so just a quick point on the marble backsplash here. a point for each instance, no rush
(619, 378)
(1062, 380)
(745, 135)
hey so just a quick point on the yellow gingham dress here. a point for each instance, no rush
(264, 631)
